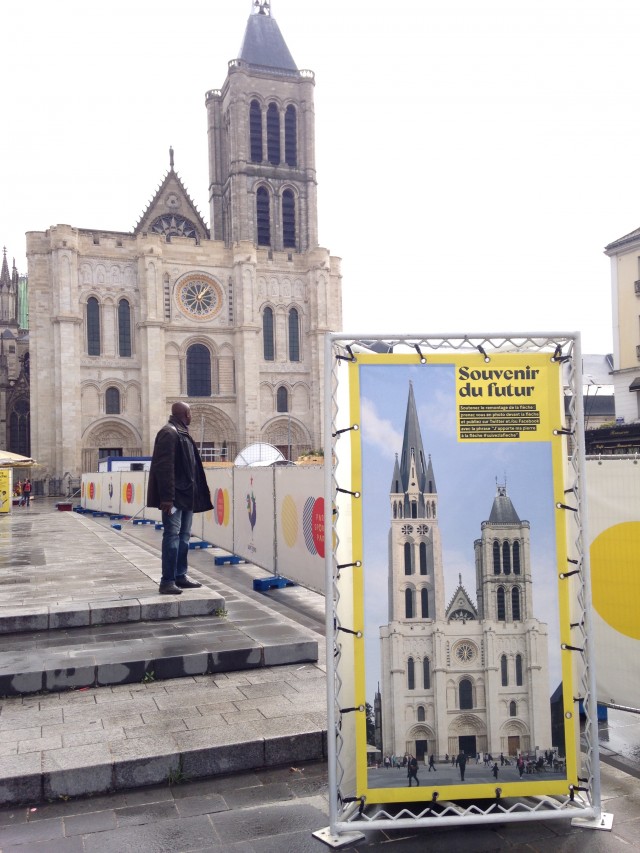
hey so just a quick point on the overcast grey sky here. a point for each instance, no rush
(473, 158)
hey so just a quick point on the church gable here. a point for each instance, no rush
(461, 606)
(172, 212)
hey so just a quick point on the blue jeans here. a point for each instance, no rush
(175, 544)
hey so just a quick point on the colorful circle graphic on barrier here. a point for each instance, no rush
(307, 525)
(92, 490)
(317, 526)
(615, 555)
(289, 519)
(82, 489)
(128, 492)
(221, 507)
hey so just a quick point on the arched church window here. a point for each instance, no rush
(294, 335)
(399, 510)
(273, 135)
(93, 326)
(421, 714)
(19, 431)
(112, 401)
(408, 562)
(414, 509)
(519, 670)
(395, 509)
(502, 614)
(516, 558)
(465, 694)
(496, 558)
(263, 216)
(408, 604)
(515, 604)
(198, 371)
(411, 675)
(506, 558)
(424, 603)
(255, 131)
(267, 334)
(124, 329)
(426, 674)
(282, 399)
(423, 558)
(504, 671)
(433, 508)
(513, 709)
(288, 220)
(291, 136)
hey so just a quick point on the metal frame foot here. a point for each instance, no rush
(604, 822)
(333, 840)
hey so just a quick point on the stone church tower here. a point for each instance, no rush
(229, 318)
(461, 676)
(14, 360)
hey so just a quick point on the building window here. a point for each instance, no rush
(291, 136)
(198, 371)
(513, 709)
(255, 132)
(408, 603)
(19, 431)
(519, 670)
(516, 558)
(124, 329)
(421, 715)
(496, 558)
(426, 674)
(282, 399)
(112, 401)
(267, 334)
(288, 220)
(294, 335)
(273, 135)
(408, 562)
(515, 604)
(506, 558)
(502, 615)
(423, 558)
(411, 675)
(424, 603)
(263, 217)
(93, 326)
(465, 693)
(504, 671)
(414, 509)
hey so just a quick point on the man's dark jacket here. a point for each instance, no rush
(176, 474)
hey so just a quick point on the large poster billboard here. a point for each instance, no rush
(461, 623)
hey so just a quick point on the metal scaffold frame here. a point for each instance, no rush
(350, 814)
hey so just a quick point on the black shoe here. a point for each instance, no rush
(187, 583)
(169, 589)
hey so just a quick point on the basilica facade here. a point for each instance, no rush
(470, 676)
(228, 317)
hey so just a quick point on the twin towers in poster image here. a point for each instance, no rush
(469, 675)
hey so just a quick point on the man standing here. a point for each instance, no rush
(462, 763)
(178, 487)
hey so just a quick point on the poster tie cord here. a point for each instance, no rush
(349, 710)
(423, 360)
(346, 429)
(557, 355)
(564, 575)
(349, 631)
(361, 800)
(564, 506)
(573, 789)
(480, 349)
(350, 357)
(567, 648)
(574, 562)
(355, 564)
(347, 492)
(563, 431)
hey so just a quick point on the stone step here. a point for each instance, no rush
(93, 741)
(145, 651)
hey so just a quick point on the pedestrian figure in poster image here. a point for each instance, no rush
(412, 770)
(494, 770)
(178, 487)
(432, 764)
(462, 763)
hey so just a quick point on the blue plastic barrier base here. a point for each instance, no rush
(195, 545)
(159, 525)
(232, 560)
(142, 521)
(117, 526)
(265, 584)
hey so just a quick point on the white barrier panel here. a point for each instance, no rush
(253, 508)
(91, 491)
(133, 493)
(300, 525)
(110, 498)
(613, 492)
(217, 524)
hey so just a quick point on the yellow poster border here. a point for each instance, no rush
(547, 786)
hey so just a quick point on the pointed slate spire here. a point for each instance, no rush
(503, 511)
(5, 278)
(396, 480)
(412, 449)
(263, 43)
